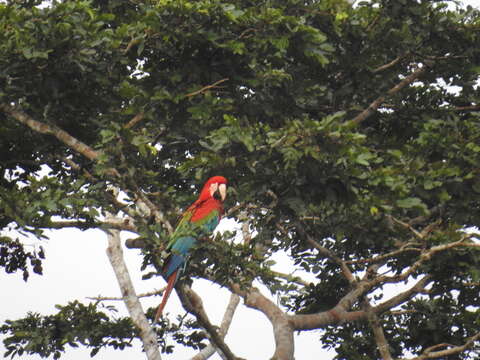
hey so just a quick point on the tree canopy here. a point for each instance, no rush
(350, 135)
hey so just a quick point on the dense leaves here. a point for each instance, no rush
(355, 128)
(75, 324)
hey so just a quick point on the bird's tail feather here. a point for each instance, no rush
(170, 283)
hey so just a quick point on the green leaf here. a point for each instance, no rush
(410, 202)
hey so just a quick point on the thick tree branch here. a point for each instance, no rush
(282, 328)
(226, 321)
(338, 314)
(134, 307)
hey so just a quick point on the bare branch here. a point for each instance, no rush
(116, 298)
(379, 101)
(47, 129)
(403, 296)
(116, 223)
(406, 226)
(194, 305)
(391, 63)
(282, 326)
(134, 307)
(427, 255)
(329, 254)
(291, 278)
(429, 353)
(378, 334)
(381, 258)
(205, 88)
(208, 351)
(135, 120)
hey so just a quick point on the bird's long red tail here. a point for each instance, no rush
(170, 283)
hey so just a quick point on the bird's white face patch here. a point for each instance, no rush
(222, 189)
(213, 188)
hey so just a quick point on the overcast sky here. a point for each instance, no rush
(77, 267)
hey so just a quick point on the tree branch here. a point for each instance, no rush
(427, 255)
(430, 354)
(134, 307)
(116, 223)
(378, 101)
(205, 88)
(378, 334)
(117, 298)
(403, 296)
(135, 120)
(194, 305)
(290, 278)
(282, 327)
(329, 254)
(391, 63)
(47, 129)
(208, 351)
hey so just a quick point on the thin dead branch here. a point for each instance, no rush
(205, 88)
(117, 298)
(379, 100)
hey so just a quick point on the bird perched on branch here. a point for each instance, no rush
(199, 220)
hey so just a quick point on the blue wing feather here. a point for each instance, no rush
(181, 243)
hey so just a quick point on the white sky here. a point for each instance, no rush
(77, 267)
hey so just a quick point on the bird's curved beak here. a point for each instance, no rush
(222, 189)
(218, 192)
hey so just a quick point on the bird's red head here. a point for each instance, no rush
(215, 187)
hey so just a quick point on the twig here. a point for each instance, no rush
(406, 226)
(378, 101)
(135, 120)
(391, 63)
(291, 278)
(329, 254)
(430, 354)
(380, 258)
(205, 88)
(114, 298)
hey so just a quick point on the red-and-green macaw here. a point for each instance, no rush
(200, 219)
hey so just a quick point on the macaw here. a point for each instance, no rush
(200, 219)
